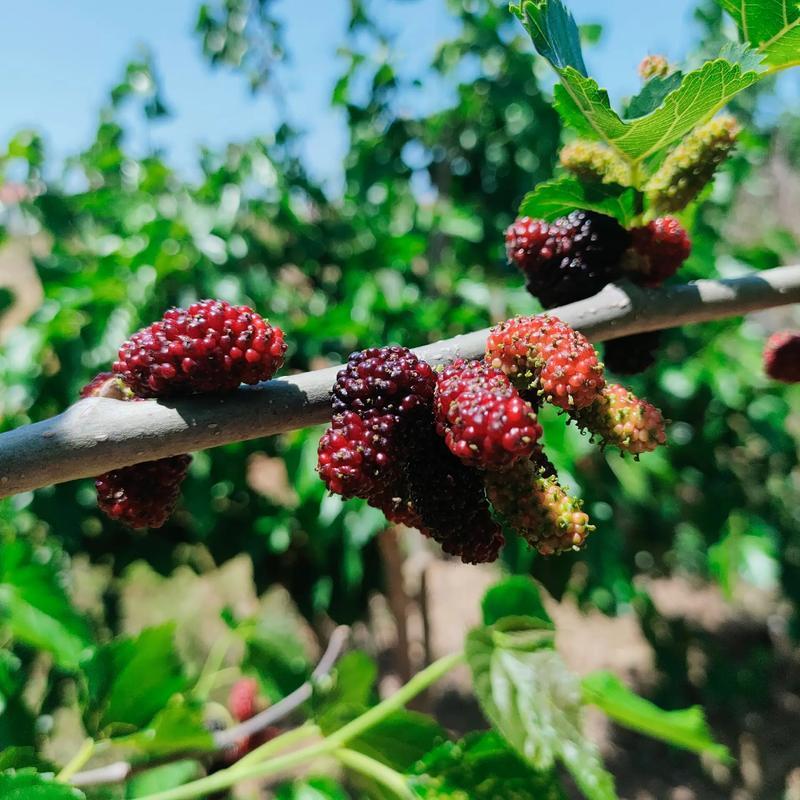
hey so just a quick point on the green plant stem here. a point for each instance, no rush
(228, 777)
(380, 773)
(417, 684)
(328, 746)
(212, 666)
(279, 743)
(77, 762)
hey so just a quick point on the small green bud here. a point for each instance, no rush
(591, 161)
(691, 165)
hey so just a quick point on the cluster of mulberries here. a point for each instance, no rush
(382, 446)
(441, 451)
(212, 346)
(576, 256)
(569, 259)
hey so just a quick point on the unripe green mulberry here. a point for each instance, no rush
(691, 165)
(620, 419)
(535, 505)
(591, 161)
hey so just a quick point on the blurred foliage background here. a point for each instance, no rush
(408, 252)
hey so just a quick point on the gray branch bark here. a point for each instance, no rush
(98, 434)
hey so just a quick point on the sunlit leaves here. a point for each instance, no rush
(770, 26)
(667, 111)
(28, 785)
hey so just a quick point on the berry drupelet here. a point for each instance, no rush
(211, 346)
(482, 417)
(546, 354)
(782, 356)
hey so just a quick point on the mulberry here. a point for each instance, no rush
(546, 354)
(692, 164)
(482, 417)
(538, 508)
(580, 254)
(211, 346)
(782, 356)
(144, 495)
(622, 420)
(660, 248)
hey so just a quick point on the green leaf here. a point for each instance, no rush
(517, 596)
(29, 785)
(558, 197)
(587, 108)
(553, 31)
(17, 721)
(531, 698)
(277, 656)
(482, 767)
(349, 688)
(686, 728)
(34, 605)
(130, 679)
(770, 26)
(178, 728)
(652, 95)
(162, 778)
(700, 93)
(400, 739)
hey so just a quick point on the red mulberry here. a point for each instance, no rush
(358, 455)
(661, 247)
(144, 495)
(211, 346)
(544, 353)
(782, 356)
(482, 417)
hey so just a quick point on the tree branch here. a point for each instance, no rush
(120, 771)
(98, 434)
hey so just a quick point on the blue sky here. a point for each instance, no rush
(60, 59)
